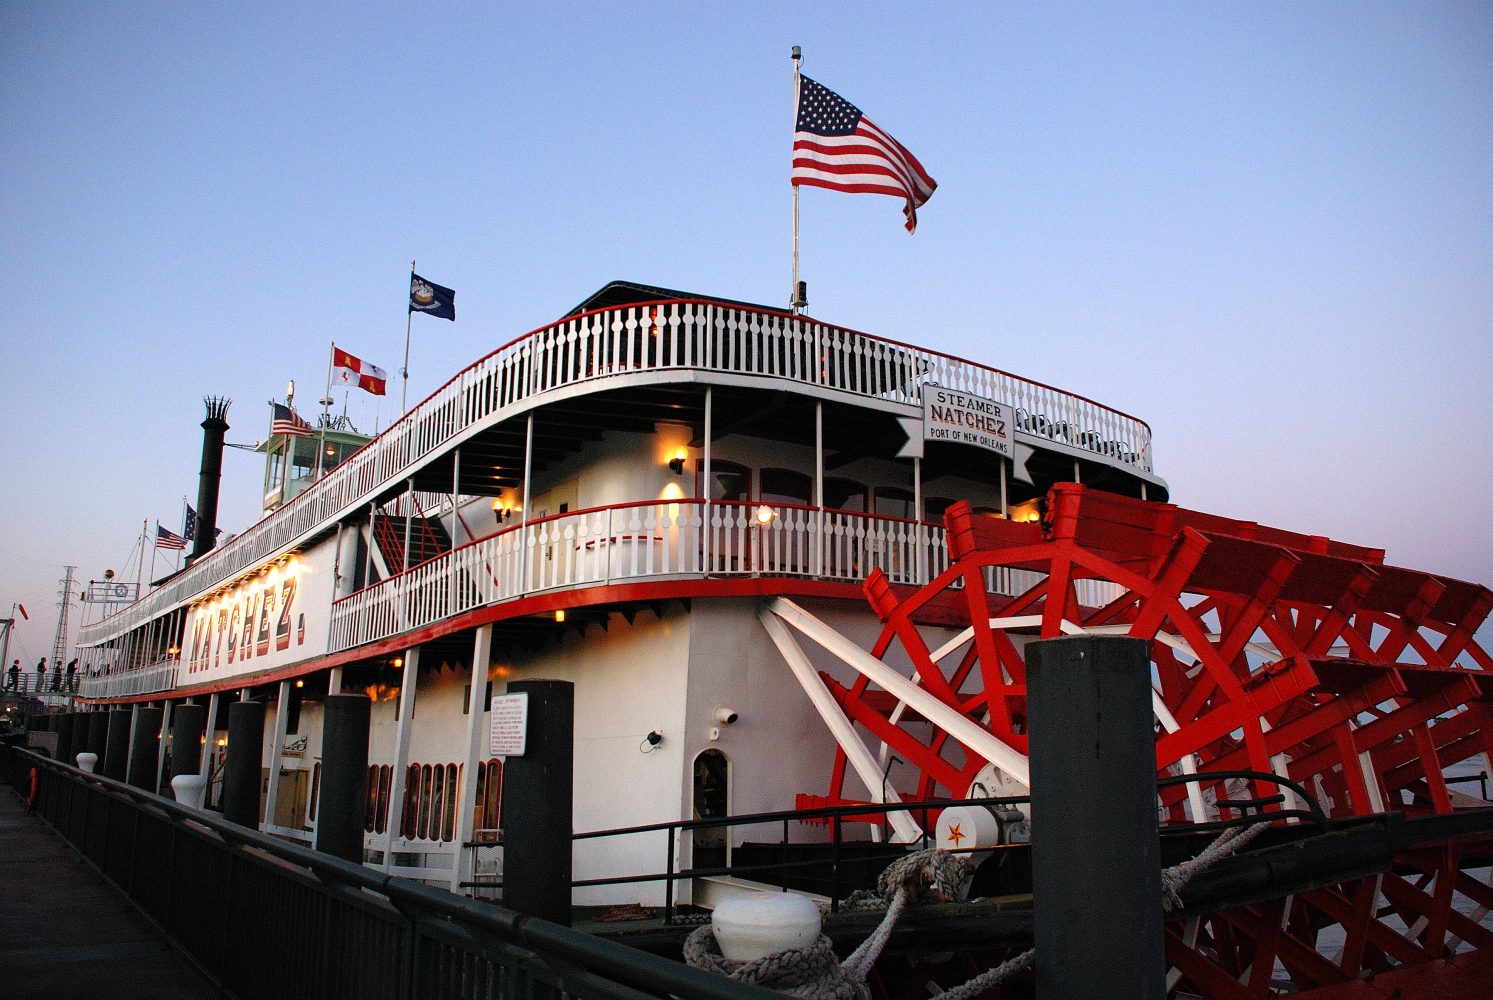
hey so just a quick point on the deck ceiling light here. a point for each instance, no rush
(560, 615)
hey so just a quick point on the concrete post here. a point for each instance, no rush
(343, 797)
(117, 746)
(241, 772)
(144, 749)
(537, 805)
(188, 724)
(1096, 865)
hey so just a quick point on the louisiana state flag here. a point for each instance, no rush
(432, 299)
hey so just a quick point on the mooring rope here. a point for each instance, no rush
(922, 877)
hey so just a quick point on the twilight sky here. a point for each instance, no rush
(1266, 229)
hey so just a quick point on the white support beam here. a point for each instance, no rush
(859, 757)
(461, 869)
(277, 747)
(949, 719)
(401, 752)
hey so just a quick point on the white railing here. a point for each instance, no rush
(642, 541)
(122, 682)
(664, 336)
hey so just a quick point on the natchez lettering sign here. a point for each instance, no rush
(958, 417)
(254, 619)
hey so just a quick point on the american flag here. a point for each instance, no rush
(288, 422)
(167, 539)
(835, 146)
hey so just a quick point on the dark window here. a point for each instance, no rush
(730, 481)
(934, 508)
(893, 501)
(844, 494)
(783, 486)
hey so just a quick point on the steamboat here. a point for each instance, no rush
(791, 566)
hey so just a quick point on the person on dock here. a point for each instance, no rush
(72, 674)
(41, 675)
(13, 676)
(56, 675)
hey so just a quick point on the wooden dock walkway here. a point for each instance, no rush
(66, 933)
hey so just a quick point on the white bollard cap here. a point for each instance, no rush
(750, 927)
(88, 762)
(189, 789)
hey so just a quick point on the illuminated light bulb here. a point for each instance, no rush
(765, 514)
(560, 615)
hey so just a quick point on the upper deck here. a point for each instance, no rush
(638, 349)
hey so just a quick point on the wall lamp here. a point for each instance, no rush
(651, 742)
(499, 512)
(676, 464)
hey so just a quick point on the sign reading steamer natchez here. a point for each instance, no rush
(949, 415)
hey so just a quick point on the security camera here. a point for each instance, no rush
(725, 716)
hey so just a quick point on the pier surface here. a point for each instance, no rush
(66, 933)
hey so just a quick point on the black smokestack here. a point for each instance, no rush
(214, 430)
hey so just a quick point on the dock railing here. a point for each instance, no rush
(267, 919)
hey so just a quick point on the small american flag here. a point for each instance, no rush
(835, 146)
(167, 539)
(286, 421)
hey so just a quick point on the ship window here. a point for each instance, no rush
(448, 820)
(844, 494)
(730, 481)
(380, 780)
(489, 811)
(277, 469)
(783, 486)
(411, 802)
(301, 457)
(893, 501)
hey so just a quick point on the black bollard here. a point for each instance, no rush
(537, 806)
(145, 748)
(116, 758)
(343, 798)
(245, 763)
(1096, 863)
(98, 736)
(66, 723)
(188, 726)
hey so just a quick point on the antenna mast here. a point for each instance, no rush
(65, 607)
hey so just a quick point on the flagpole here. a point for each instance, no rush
(793, 296)
(153, 548)
(181, 553)
(326, 412)
(405, 371)
(140, 569)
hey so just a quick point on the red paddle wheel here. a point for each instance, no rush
(1271, 651)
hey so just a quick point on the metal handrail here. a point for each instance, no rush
(355, 932)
